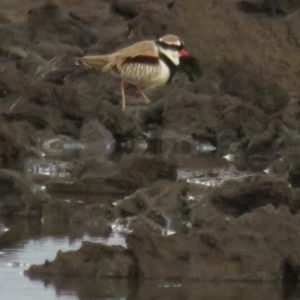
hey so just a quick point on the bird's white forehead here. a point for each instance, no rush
(171, 40)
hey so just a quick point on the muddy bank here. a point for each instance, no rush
(232, 106)
(93, 260)
(223, 236)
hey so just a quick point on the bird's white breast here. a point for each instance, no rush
(162, 75)
(146, 75)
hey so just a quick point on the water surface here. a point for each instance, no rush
(39, 242)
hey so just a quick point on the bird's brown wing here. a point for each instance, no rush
(97, 61)
(141, 52)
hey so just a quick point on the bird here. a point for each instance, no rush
(146, 64)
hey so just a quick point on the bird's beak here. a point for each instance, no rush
(183, 53)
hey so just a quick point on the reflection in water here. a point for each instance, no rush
(89, 288)
(38, 246)
(208, 291)
(75, 288)
(34, 246)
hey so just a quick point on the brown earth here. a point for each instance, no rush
(217, 30)
(246, 103)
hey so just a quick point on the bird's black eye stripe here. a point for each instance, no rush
(175, 47)
(169, 46)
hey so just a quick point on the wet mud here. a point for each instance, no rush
(202, 183)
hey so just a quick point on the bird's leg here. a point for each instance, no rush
(144, 96)
(123, 95)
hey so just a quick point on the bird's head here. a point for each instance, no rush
(172, 46)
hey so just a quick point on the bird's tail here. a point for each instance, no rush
(101, 62)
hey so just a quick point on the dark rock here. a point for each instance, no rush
(170, 198)
(81, 105)
(293, 36)
(62, 108)
(134, 204)
(279, 167)
(276, 7)
(151, 248)
(92, 174)
(138, 171)
(132, 8)
(166, 198)
(157, 216)
(239, 121)
(18, 197)
(149, 24)
(140, 203)
(259, 245)
(4, 91)
(294, 166)
(52, 23)
(91, 260)
(35, 103)
(147, 18)
(97, 139)
(291, 119)
(239, 197)
(183, 113)
(98, 226)
(133, 171)
(95, 167)
(195, 112)
(250, 87)
(3, 19)
(92, 219)
(166, 205)
(141, 225)
(256, 152)
(264, 145)
(161, 200)
(56, 212)
(203, 211)
(10, 238)
(15, 143)
(272, 7)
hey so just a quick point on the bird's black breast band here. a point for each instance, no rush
(172, 67)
